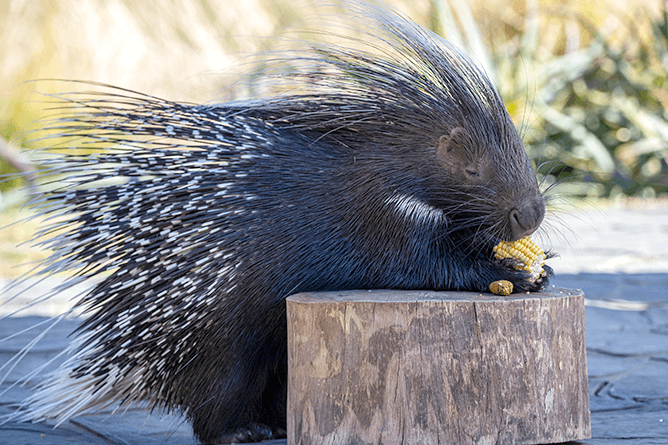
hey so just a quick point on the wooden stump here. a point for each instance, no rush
(420, 367)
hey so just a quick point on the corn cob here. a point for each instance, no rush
(531, 257)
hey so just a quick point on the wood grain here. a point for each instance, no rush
(417, 367)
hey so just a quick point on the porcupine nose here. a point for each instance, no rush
(525, 219)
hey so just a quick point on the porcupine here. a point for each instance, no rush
(399, 169)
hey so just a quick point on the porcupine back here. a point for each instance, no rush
(390, 169)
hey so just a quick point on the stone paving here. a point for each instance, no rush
(617, 255)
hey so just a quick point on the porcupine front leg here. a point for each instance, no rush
(521, 279)
(481, 271)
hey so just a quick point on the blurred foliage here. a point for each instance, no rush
(586, 82)
(590, 99)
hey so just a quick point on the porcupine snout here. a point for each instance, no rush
(525, 218)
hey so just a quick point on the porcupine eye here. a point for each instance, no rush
(456, 153)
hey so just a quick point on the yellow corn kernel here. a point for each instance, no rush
(526, 251)
(501, 287)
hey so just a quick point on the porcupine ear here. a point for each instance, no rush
(455, 152)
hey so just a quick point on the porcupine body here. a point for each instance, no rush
(399, 170)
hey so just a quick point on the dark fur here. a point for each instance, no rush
(294, 193)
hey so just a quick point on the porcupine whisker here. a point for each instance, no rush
(556, 221)
(558, 182)
(555, 166)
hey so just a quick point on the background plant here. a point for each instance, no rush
(585, 82)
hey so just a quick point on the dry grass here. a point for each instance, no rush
(17, 255)
(184, 50)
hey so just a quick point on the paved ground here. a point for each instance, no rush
(618, 256)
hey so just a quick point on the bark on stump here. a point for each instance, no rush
(421, 367)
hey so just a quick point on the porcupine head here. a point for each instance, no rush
(392, 169)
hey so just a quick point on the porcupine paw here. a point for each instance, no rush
(522, 280)
(543, 280)
(253, 432)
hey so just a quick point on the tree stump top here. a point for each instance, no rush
(412, 296)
